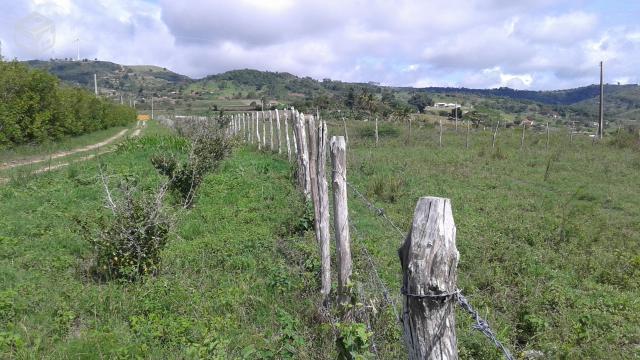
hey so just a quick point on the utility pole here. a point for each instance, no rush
(95, 83)
(601, 110)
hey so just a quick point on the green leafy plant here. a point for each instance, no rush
(353, 341)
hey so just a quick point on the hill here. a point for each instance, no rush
(248, 89)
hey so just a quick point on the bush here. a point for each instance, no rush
(127, 244)
(206, 153)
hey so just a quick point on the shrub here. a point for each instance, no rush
(128, 243)
(184, 178)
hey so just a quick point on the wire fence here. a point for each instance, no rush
(480, 323)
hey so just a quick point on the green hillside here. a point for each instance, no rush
(252, 89)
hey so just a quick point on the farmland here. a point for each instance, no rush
(548, 241)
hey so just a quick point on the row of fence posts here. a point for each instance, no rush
(428, 256)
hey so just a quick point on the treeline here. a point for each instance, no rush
(34, 108)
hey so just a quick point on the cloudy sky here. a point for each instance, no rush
(524, 44)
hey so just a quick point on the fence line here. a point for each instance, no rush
(428, 317)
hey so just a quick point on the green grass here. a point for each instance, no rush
(548, 240)
(554, 264)
(236, 282)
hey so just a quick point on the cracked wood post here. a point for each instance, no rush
(429, 261)
(524, 126)
(279, 129)
(341, 216)
(346, 134)
(293, 132)
(313, 171)
(264, 131)
(286, 132)
(270, 130)
(323, 202)
(495, 133)
(303, 150)
(258, 131)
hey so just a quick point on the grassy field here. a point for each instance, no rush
(549, 240)
(549, 245)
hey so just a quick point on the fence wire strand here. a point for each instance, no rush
(480, 324)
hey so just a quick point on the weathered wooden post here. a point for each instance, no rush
(264, 130)
(258, 131)
(270, 130)
(313, 171)
(279, 132)
(524, 126)
(429, 261)
(495, 133)
(440, 139)
(303, 148)
(323, 201)
(286, 132)
(341, 216)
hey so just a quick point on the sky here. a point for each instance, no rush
(522, 44)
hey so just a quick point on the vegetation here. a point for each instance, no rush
(35, 108)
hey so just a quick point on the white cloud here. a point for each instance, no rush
(541, 44)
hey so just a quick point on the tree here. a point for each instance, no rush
(420, 101)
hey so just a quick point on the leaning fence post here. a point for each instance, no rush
(429, 261)
(323, 202)
(341, 216)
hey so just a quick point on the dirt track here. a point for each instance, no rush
(16, 163)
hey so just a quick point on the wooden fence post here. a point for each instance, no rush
(429, 261)
(323, 202)
(313, 171)
(286, 132)
(524, 126)
(341, 216)
(279, 132)
(303, 150)
(264, 130)
(270, 130)
(440, 139)
(293, 131)
(258, 131)
(493, 143)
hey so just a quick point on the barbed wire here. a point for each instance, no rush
(480, 324)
